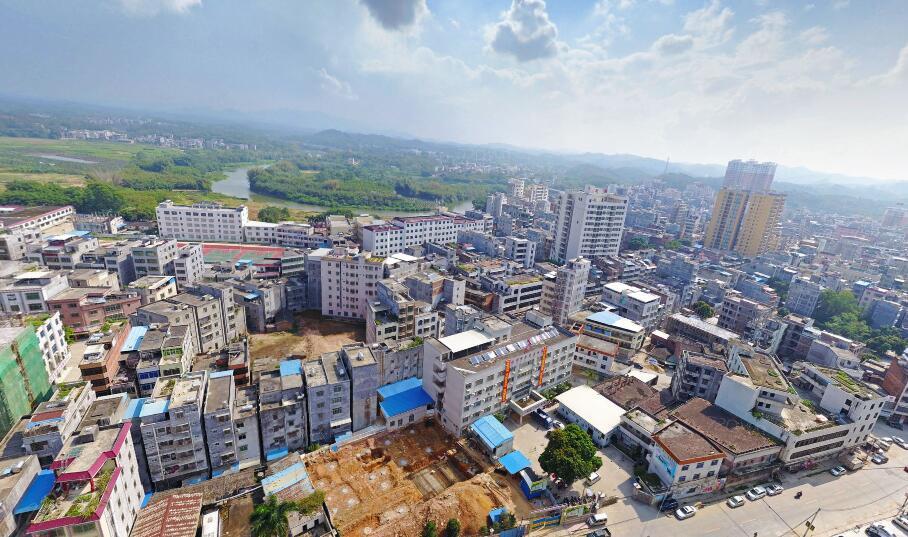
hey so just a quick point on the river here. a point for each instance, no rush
(237, 185)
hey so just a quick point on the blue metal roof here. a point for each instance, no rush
(398, 387)
(491, 431)
(134, 338)
(496, 513)
(291, 367)
(219, 374)
(39, 488)
(405, 401)
(153, 407)
(146, 499)
(288, 477)
(134, 410)
(613, 319)
(514, 462)
(33, 424)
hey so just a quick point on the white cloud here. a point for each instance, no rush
(710, 23)
(154, 7)
(816, 35)
(336, 86)
(525, 32)
(396, 14)
(673, 44)
(841, 4)
(898, 72)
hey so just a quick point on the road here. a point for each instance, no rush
(856, 498)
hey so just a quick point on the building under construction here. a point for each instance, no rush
(23, 377)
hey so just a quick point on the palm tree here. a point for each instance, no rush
(270, 519)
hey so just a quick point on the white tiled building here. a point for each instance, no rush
(402, 232)
(590, 224)
(348, 283)
(633, 303)
(54, 347)
(189, 264)
(564, 289)
(201, 221)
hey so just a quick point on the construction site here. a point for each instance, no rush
(392, 484)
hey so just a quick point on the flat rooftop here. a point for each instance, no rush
(764, 372)
(524, 338)
(721, 427)
(613, 320)
(685, 444)
(625, 392)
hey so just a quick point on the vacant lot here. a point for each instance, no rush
(314, 336)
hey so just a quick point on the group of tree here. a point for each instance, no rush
(272, 517)
(703, 309)
(839, 312)
(638, 243)
(273, 214)
(452, 529)
(570, 454)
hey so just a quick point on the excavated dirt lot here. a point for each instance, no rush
(390, 485)
(315, 336)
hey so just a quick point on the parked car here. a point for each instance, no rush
(601, 532)
(557, 425)
(900, 442)
(756, 493)
(837, 471)
(878, 530)
(879, 459)
(685, 512)
(671, 504)
(773, 489)
(543, 418)
(735, 501)
(901, 522)
(599, 519)
(593, 478)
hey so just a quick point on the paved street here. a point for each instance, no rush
(869, 494)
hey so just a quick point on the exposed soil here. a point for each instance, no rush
(315, 336)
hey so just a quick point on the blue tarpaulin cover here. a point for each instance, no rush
(403, 396)
(291, 367)
(39, 488)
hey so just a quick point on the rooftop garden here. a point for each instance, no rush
(81, 503)
(65, 389)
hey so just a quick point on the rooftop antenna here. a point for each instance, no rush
(668, 159)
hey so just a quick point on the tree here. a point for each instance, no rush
(673, 244)
(100, 198)
(834, 303)
(779, 286)
(430, 530)
(452, 529)
(273, 214)
(638, 243)
(849, 325)
(570, 454)
(703, 310)
(270, 519)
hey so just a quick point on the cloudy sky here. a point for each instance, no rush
(822, 84)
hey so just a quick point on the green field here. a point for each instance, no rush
(84, 149)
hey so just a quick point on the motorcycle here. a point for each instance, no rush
(798, 495)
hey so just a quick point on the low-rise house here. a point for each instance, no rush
(592, 412)
(55, 420)
(154, 288)
(687, 463)
(698, 374)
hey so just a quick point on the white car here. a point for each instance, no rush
(685, 512)
(837, 471)
(735, 501)
(756, 493)
(773, 489)
(901, 522)
(879, 458)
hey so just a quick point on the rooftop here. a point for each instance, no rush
(613, 320)
(173, 516)
(721, 427)
(847, 383)
(685, 444)
(599, 412)
(764, 372)
(464, 340)
(625, 392)
(524, 338)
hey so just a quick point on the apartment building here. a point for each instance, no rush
(62, 252)
(86, 309)
(54, 348)
(696, 329)
(214, 322)
(520, 250)
(610, 327)
(23, 377)
(28, 292)
(97, 489)
(743, 316)
(685, 461)
(246, 427)
(92, 278)
(20, 475)
(15, 245)
(589, 224)
(746, 222)
(474, 373)
(328, 395)
(101, 360)
(189, 264)
(151, 353)
(434, 288)
(803, 296)
(282, 410)
(827, 413)
(634, 303)
(154, 257)
(360, 362)
(14, 217)
(698, 375)
(204, 222)
(220, 434)
(395, 315)
(514, 294)
(154, 288)
(112, 257)
(564, 289)
(348, 283)
(55, 420)
(99, 224)
(404, 232)
(172, 430)
(749, 175)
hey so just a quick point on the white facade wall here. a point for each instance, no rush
(201, 222)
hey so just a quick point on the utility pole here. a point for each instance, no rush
(904, 503)
(809, 523)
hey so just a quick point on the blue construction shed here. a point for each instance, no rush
(494, 437)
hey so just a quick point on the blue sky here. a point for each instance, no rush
(821, 84)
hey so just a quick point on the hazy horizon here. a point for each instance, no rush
(816, 85)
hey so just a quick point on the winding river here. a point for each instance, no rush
(237, 185)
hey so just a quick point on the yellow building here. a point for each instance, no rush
(745, 222)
